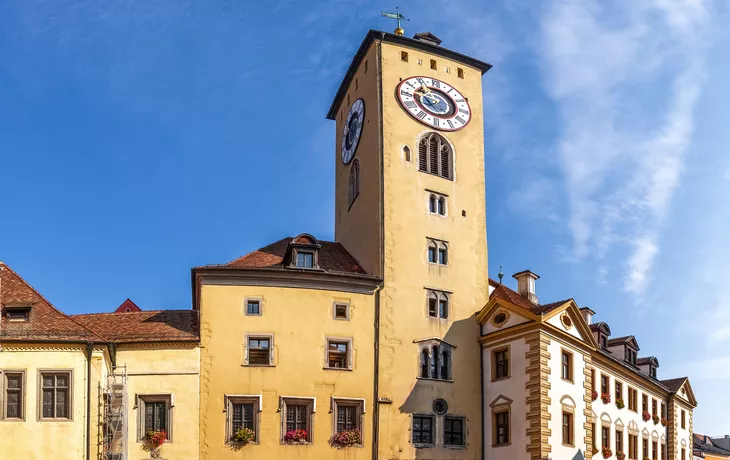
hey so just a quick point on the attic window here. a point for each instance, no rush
(652, 371)
(604, 341)
(631, 355)
(17, 315)
(305, 259)
(304, 252)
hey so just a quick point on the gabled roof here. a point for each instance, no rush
(652, 360)
(503, 292)
(674, 384)
(45, 322)
(127, 306)
(629, 340)
(144, 326)
(600, 326)
(333, 258)
(705, 444)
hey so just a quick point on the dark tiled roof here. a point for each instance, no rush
(674, 384)
(45, 322)
(144, 326)
(503, 292)
(333, 257)
(705, 444)
(646, 360)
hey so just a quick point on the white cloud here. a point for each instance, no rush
(626, 110)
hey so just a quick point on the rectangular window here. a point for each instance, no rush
(619, 390)
(644, 403)
(433, 307)
(684, 454)
(347, 415)
(17, 315)
(654, 450)
(653, 407)
(501, 364)
(243, 413)
(604, 384)
(342, 311)
(664, 410)
(633, 446)
(55, 395)
(595, 436)
(404, 56)
(338, 354)
(632, 399)
(253, 307)
(593, 379)
(154, 415)
(297, 416)
(432, 254)
(443, 308)
(433, 64)
(454, 431)
(460, 72)
(501, 427)
(567, 365)
(683, 426)
(14, 396)
(663, 455)
(422, 430)
(605, 437)
(259, 351)
(604, 341)
(652, 371)
(568, 428)
(619, 441)
(645, 448)
(305, 259)
(443, 256)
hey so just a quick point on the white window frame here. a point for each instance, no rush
(141, 399)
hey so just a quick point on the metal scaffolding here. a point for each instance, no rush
(115, 415)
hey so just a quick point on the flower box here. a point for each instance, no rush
(620, 455)
(665, 422)
(594, 395)
(606, 398)
(243, 437)
(655, 418)
(295, 437)
(646, 416)
(620, 403)
(606, 452)
(155, 440)
(346, 439)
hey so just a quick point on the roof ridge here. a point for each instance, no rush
(22, 280)
(258, 249)
(127, 313)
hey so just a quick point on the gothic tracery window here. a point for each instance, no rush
(435, 156)
(353, 189)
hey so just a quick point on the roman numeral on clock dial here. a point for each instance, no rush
(434, 103)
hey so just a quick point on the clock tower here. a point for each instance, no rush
(410, 207)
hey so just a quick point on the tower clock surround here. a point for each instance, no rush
(434, 103)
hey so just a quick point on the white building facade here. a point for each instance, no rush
(557, 386)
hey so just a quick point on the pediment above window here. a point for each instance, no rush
(499, 401)
(303, 252)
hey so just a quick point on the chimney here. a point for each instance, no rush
(526, 284)
(587, 315)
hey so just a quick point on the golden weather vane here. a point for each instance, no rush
(398, 17)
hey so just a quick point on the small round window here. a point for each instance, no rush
(500, 318)
(440, 407)
(567, 322)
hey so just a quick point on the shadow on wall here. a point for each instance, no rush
(465, 368)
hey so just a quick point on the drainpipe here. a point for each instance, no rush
(481, 388)
(376, 374)
(89, 351)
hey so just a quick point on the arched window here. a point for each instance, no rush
(445, 364)
(424, 363)
(407, 153)
(441, 206)
(438, 304)
(435, 156)
(353, 189)
(444, 306)
(433, 204)
(435, 362)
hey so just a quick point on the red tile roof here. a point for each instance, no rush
(333, 257)
(127, 306)
(503, 292)
(144, 326)
(45, 322)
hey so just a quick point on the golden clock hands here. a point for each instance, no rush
(427, 94)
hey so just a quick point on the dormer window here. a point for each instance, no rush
(303, 252)
(631, 356)
(652, 371)
(604, 341)
(17, 314)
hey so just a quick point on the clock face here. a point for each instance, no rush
(353, 130)
(434, 103)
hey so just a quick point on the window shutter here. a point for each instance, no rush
(433, 154)
(445, 161)
(422, 154)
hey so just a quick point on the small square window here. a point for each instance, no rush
(422, 430)
(305, 259)
(447, 70)
(338, 354)
(404, 56)
(460, 72)
(17, 315)
(253, 306)
(420, 61)
(433, 64)
(454, 431)
(258, 351)
(342, 311)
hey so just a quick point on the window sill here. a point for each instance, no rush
(437, 264)
(499, 379)
(435, 380)
(455, 447)
(424, 446)
(435, 175)
(507, 444)
(59, 420)
(568, 381)
(565, 444)
(338, 369)
(438, 318)
(296, 444)
(258, 365)
(8, 419)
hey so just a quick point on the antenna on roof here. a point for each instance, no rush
(500, 275)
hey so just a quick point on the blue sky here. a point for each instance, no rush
(139, 139)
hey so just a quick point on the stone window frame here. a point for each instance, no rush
(311, 408)
(608, 384)
(607, 425)
(353, 183)
(497, 409)
(258, 299)
(39, 390)
(341, 303)
(445, 155)
(433, 200)
(571, 367)
(507, 349)
(464, 431)
(618, 389)
(258, 335)
(570, 412)
(350, 353)
(141, 399)
(618, 439)
(428, 346)
(633, 397)
(438, 246)
(229, 401)
(438, 295)
(3, 394)
(359, 403)
(10, 310)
